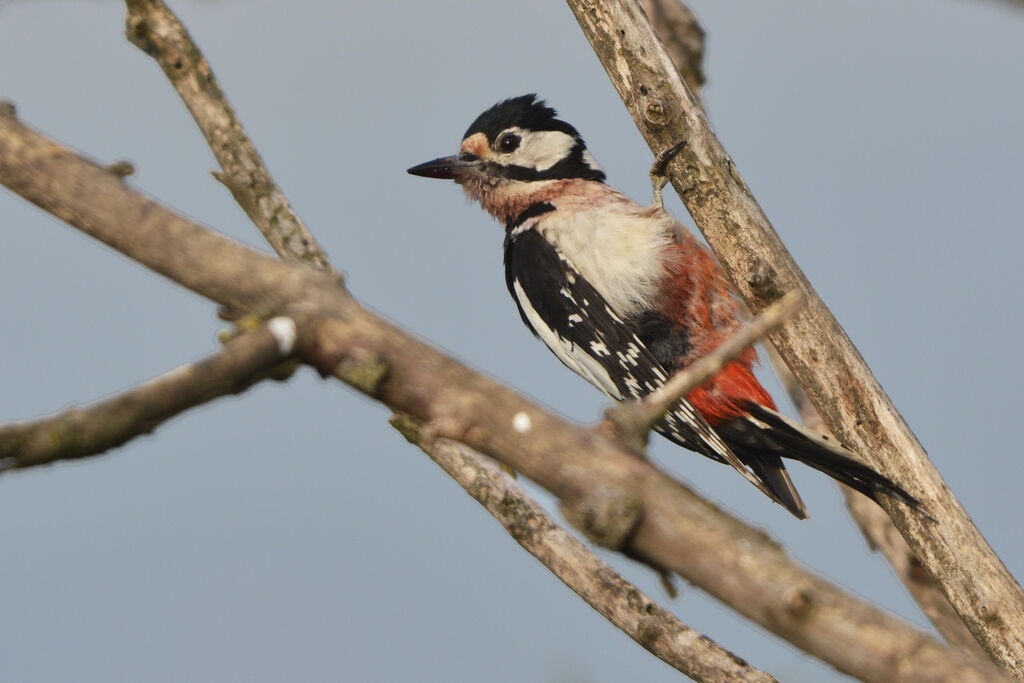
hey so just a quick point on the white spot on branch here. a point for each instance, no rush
(284, 333)
(521, 422)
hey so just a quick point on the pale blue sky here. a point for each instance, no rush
(290, 534)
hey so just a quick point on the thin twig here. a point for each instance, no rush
(853, 404)
(154, 29)
(93, 429)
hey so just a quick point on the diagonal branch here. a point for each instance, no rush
(851, 401)
(882, 536)
(94, 429)
(683, 38)
(678, 30)
(153, 28)
(611, 493)
(98, 202)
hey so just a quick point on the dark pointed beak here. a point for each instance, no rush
(448, 168)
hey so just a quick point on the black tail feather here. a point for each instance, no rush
(772, 472)
(760, 441)
(766, 469)
(825, 455)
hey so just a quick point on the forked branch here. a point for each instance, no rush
(96, 428)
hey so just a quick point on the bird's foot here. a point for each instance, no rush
(658, 177)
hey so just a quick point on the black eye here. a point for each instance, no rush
(508, 143)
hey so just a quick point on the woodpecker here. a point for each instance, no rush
(625, 296)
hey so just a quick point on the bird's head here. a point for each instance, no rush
(512, 150)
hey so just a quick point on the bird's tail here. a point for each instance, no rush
(763, 436)
(773, 474)
(767, 473)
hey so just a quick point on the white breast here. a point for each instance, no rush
(615, 244)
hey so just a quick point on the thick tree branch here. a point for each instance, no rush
(682, 36)
(604, 589)
(613, 495)
(93, 199)
(813, 344)
(94, 429)
(153, 28)
(882, 536)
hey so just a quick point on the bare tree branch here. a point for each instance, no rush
(94, 429)
(153, 28)
(619, 601)
(683, 38)
(813, 344)
(882, 536)
(613, 496)
(93, 199)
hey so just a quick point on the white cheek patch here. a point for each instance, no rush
(542, 149)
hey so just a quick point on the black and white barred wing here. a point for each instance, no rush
(577, 324)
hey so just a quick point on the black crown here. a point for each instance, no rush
(526, 112)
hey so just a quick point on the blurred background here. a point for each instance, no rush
(290, 533)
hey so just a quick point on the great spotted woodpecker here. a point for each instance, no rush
(625, 296)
